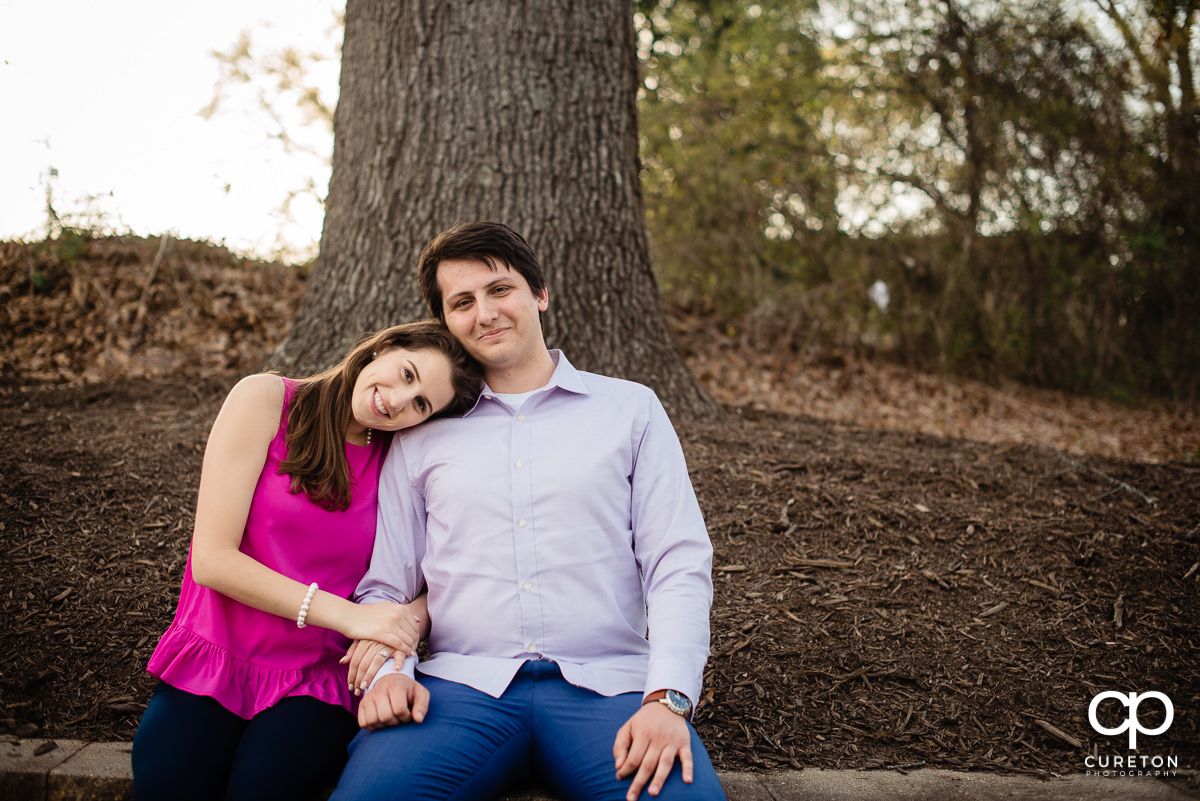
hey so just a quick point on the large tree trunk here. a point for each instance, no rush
(519, 112)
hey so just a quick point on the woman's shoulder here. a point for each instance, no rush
(249, 418)
(259, 394)
(261, 386)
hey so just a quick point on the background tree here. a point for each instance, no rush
(1054, 151)
(291, 91)
(523, 114)
(1158, 227)
(735, 174)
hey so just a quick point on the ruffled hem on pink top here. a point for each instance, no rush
(188, 662)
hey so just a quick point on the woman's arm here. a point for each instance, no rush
(233, 461)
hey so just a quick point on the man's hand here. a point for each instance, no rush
(647, 746)
(394, 699)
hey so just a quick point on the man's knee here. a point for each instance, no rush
(417, 762)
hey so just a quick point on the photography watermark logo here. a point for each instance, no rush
(1132, 722)
(1130, 764)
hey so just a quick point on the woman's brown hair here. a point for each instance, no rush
(320, 409)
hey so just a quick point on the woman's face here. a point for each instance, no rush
(400, 388)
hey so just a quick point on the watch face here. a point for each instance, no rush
(678, 702)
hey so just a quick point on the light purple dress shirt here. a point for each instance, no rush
(559, 531)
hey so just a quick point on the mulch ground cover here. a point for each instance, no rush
(884, 600)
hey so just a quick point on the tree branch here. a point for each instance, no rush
(1114, 481)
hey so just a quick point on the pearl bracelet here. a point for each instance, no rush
(312, 590)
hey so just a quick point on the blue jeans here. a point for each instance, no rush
(472, 747)
(190, 747)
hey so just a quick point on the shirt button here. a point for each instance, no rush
(531, 647)
(521, 523)
(520, 465)
(528, 585)
(521, 417)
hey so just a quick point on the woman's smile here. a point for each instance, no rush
(380, 406)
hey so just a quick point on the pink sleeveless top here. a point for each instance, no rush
(246, 659)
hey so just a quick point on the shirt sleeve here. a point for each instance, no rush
(674, 553)
(408, 667)
(395, 570)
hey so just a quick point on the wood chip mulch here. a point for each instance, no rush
(885, 599)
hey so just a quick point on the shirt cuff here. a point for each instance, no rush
(408, 668)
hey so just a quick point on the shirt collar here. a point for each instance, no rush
(564, 377)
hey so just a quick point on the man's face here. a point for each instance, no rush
(493, 313)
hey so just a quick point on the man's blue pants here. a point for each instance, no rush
(472, 747)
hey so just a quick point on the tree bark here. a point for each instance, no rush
(518, 112)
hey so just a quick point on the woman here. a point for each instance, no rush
(252, 701)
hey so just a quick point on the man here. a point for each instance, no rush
(553, 525)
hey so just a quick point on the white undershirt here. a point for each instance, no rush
(515, 399)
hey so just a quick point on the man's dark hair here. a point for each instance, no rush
(493, 243)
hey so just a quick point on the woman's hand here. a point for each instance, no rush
(396, 627)
(365, 657)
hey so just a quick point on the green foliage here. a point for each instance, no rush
(63, 249)
(71, 243)
(38, 279)
(1021, 175)
(68, 236)
(732, 168)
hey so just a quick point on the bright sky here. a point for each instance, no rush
(108, 94)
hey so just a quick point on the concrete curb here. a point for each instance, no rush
(33, 770)
(69, 770)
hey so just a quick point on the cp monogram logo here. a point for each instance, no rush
(1131, 723)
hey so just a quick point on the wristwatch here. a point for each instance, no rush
(677, 702)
